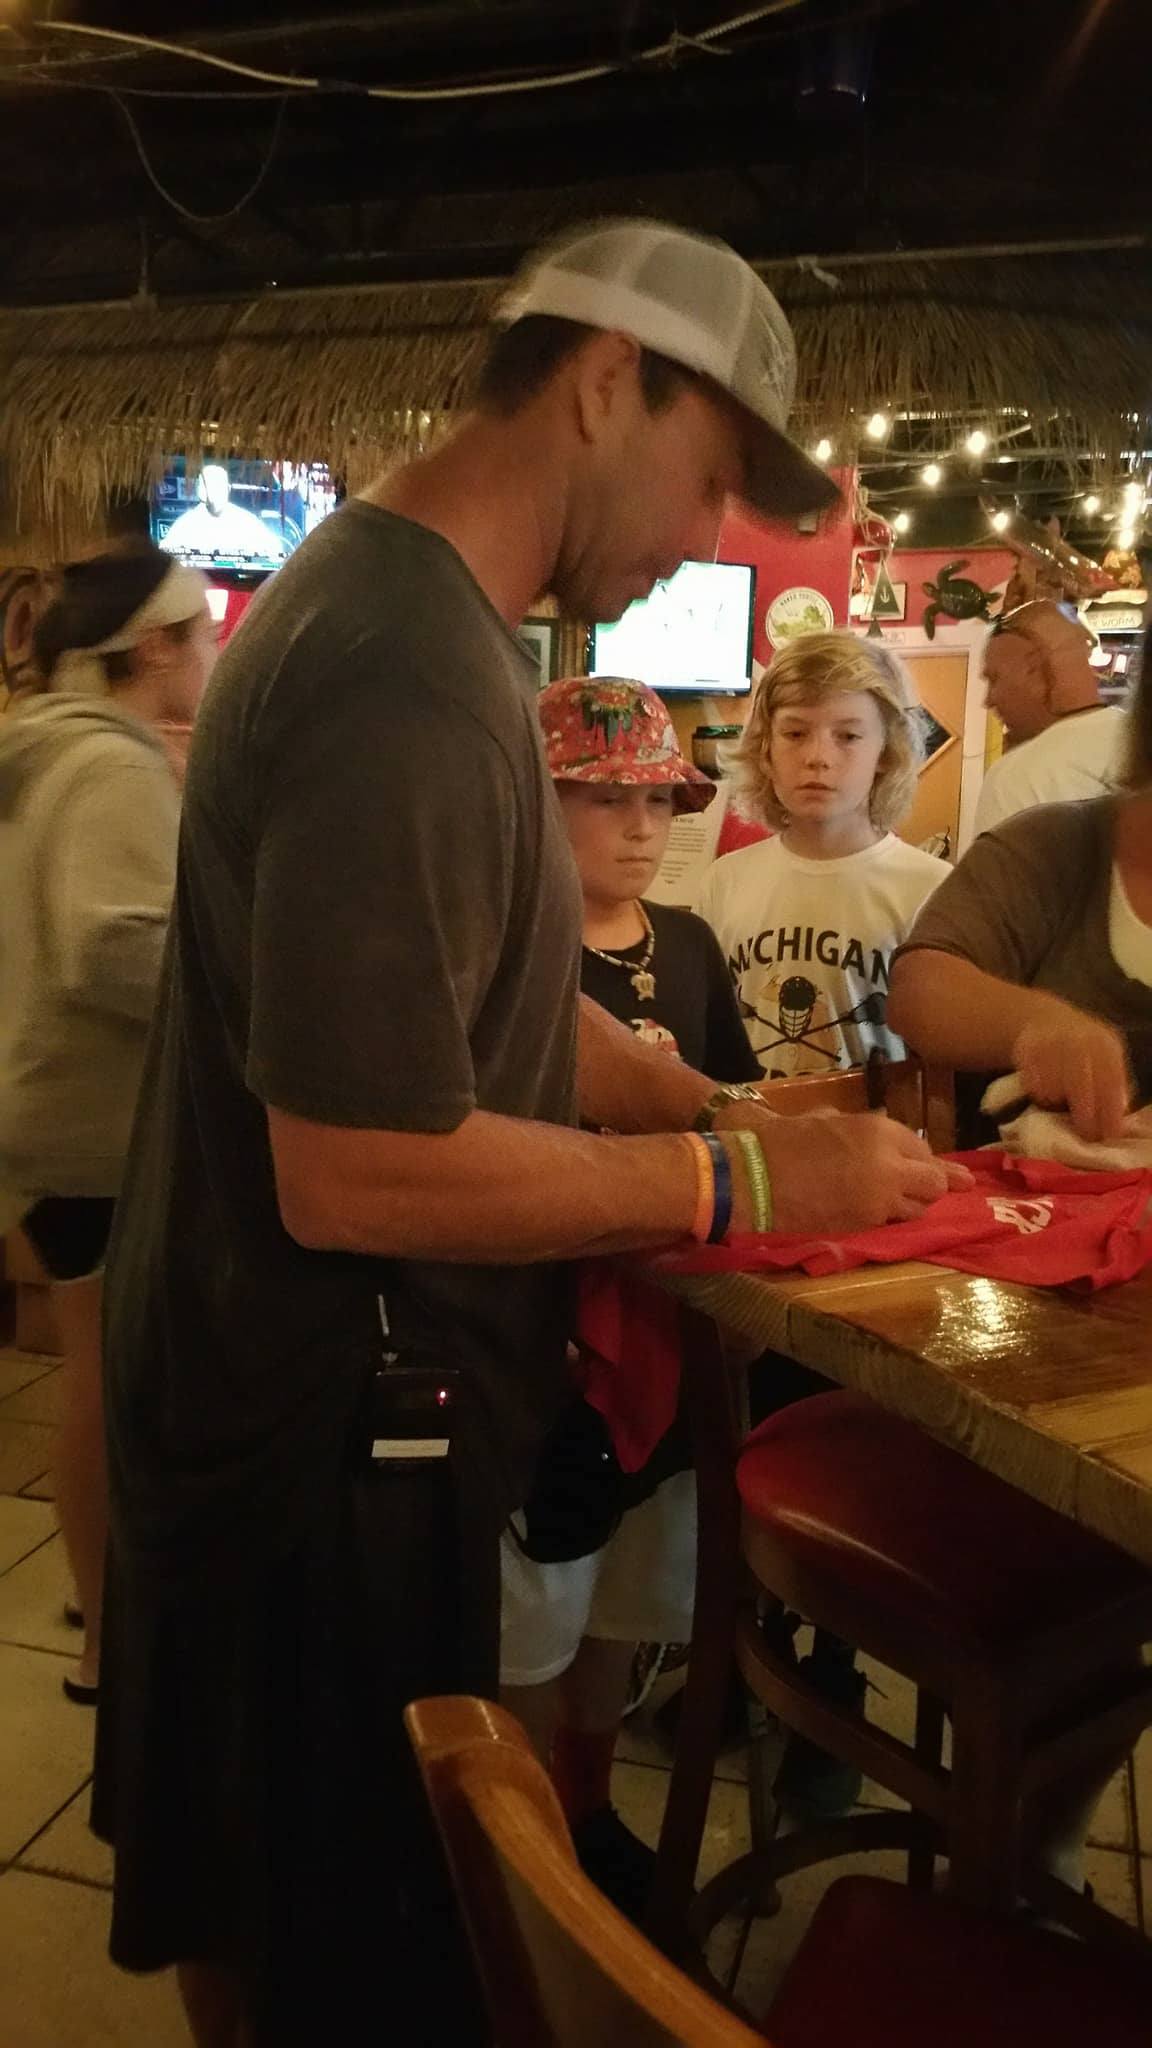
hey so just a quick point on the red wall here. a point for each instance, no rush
(238, 602)
(785, 559)
(917, 566)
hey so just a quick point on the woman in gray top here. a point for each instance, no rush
(1035, 956)
(89, 812)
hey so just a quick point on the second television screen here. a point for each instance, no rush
(693, 633)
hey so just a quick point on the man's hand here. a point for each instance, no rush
(834, 1174)
(1067, 1059)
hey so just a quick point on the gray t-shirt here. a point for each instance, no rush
(377, 924)
(1029, 903)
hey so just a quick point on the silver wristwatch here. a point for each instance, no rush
(730, 1091)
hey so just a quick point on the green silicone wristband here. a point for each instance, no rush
(759, 1182)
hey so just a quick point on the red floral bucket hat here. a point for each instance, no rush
(604, 729)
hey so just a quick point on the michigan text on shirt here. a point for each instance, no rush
(804, 943)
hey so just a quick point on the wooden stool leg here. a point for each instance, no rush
(707, 1395)
(690, 1784)
(766, 1741)
(929, 1749)
(984, 1821)
(1135, 1853)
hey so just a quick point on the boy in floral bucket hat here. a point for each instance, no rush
(597, 1561)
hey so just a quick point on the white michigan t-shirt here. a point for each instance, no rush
(809, 945)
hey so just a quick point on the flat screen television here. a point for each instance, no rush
(237, 517)
(693, 633)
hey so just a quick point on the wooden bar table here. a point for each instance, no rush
(1049, 1389)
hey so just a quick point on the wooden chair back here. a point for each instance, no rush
(908, 1091)
(561, 1967)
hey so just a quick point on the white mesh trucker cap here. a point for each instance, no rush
(697, 302)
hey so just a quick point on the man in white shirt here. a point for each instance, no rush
(214, 527)
(1063, 743)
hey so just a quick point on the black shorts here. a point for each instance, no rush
(253, 1772)
(69, 1234)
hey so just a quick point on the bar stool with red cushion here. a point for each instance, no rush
(881, 1965)
(1026, 1628)
(878, 1967)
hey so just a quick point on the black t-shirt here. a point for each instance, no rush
(376, 925)
(692, 1009)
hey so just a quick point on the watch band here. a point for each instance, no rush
(731, 1091)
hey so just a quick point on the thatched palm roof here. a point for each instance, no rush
(94, 397)
(1065, 336)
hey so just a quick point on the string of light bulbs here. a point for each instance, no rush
(877, 426)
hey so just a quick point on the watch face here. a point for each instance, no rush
(728, 1091)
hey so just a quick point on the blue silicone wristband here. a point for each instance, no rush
(722, 1175)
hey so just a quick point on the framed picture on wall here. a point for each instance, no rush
(539, 638)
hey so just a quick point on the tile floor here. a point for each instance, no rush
(638, 1787)
(57, 1988)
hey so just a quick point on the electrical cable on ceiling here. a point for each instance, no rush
(540, 82)
(200, 219)
(156, 92)
(60, 74)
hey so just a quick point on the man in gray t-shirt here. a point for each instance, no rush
(336, 1325)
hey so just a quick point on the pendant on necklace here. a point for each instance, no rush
(644, 984)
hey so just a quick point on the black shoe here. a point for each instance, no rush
(617, 1861)
(647, 1665)
(80, 1694)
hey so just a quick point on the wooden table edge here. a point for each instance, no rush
(795, 1314)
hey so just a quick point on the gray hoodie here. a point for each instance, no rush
(89, 814)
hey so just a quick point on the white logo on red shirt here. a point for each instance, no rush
(1026, 1217)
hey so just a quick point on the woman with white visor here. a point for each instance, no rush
(89, 813)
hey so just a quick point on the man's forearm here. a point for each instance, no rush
(496, 1191)
(951, 1012)
(624, 1085)
(502, 1190)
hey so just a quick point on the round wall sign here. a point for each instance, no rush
(795, 612)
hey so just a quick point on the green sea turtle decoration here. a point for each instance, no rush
(957, 597)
